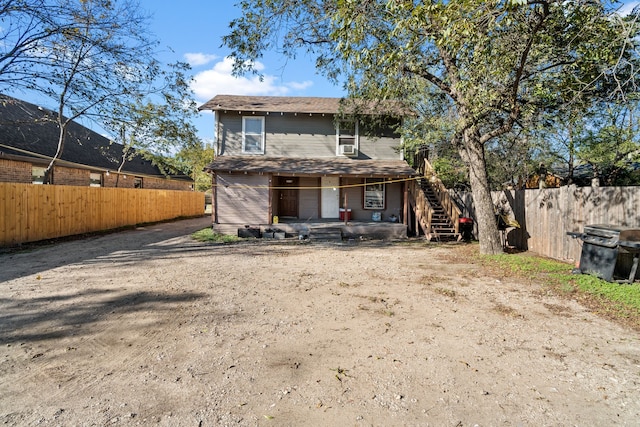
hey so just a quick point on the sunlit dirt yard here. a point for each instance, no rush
(148, 326)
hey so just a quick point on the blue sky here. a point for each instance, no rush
(193, 30)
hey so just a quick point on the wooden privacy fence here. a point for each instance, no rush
(37, 212)
(546, 215)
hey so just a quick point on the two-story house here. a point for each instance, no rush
(305, 159)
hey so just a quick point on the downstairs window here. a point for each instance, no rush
(374, 193)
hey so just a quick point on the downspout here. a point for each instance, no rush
(216, 131)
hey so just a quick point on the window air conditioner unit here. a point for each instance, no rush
(348, 150)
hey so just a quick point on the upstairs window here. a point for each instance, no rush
(347, 136)
(253, 135)
(374, 194)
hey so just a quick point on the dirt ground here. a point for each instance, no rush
(149, 327)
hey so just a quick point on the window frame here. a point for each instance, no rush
(93, 182)
(376, 195)
(347, 140)
(245, 119)
(35, 168)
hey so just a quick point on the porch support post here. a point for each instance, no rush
(270, 210)
(405, 204)
(346, 211)
(214, 198)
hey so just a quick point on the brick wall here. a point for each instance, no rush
(167, 184)
(112, 179)
(16, 171)
(68, 176)
(12, 171)
(147, 182)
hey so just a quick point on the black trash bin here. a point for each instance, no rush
(466, 228)
(610, 252)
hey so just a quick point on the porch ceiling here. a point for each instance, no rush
(307, 166)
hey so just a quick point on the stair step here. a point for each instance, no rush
(441, 227)
(444, 229)
(325, 233)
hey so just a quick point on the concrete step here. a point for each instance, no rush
(325, 233)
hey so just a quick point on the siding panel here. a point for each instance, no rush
(301, 136)
(309, 203)
(243, 199)
(230, 128)
(379, 148)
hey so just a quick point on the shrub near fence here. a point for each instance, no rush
(546, 215)
(37, 212)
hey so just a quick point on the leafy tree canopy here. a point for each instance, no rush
(497, 63)
(96, 59)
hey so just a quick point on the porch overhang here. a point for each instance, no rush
(334, 166)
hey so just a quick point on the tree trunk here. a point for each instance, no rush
(473, 152)
(48, 172)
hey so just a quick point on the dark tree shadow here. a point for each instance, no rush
(33, 319)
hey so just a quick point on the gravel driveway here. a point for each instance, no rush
(147, 326)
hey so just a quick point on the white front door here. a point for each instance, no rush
(330, 197)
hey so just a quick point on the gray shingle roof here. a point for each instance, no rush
(31, 132)
(307, 166)
(308, 105)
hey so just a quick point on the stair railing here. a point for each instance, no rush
(450, 207)
(422, 208)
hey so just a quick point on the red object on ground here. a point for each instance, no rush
(342, 212)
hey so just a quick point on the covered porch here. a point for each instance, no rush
(318, 230)
(311, 197)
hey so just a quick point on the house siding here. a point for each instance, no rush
(242, 199)
(309, 200)
(379, 148)
(306, 137)
(230, 128)
(301, 136)
(394, 196)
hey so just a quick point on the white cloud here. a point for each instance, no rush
(300, 85)
(627, 8)
(220, 81)
(196, 59)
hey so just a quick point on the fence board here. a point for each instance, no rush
(37, 212)
(546, 215)
(10, 216)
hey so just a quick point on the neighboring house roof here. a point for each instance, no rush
(30, 133)
(306, 166)
(304, 105)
